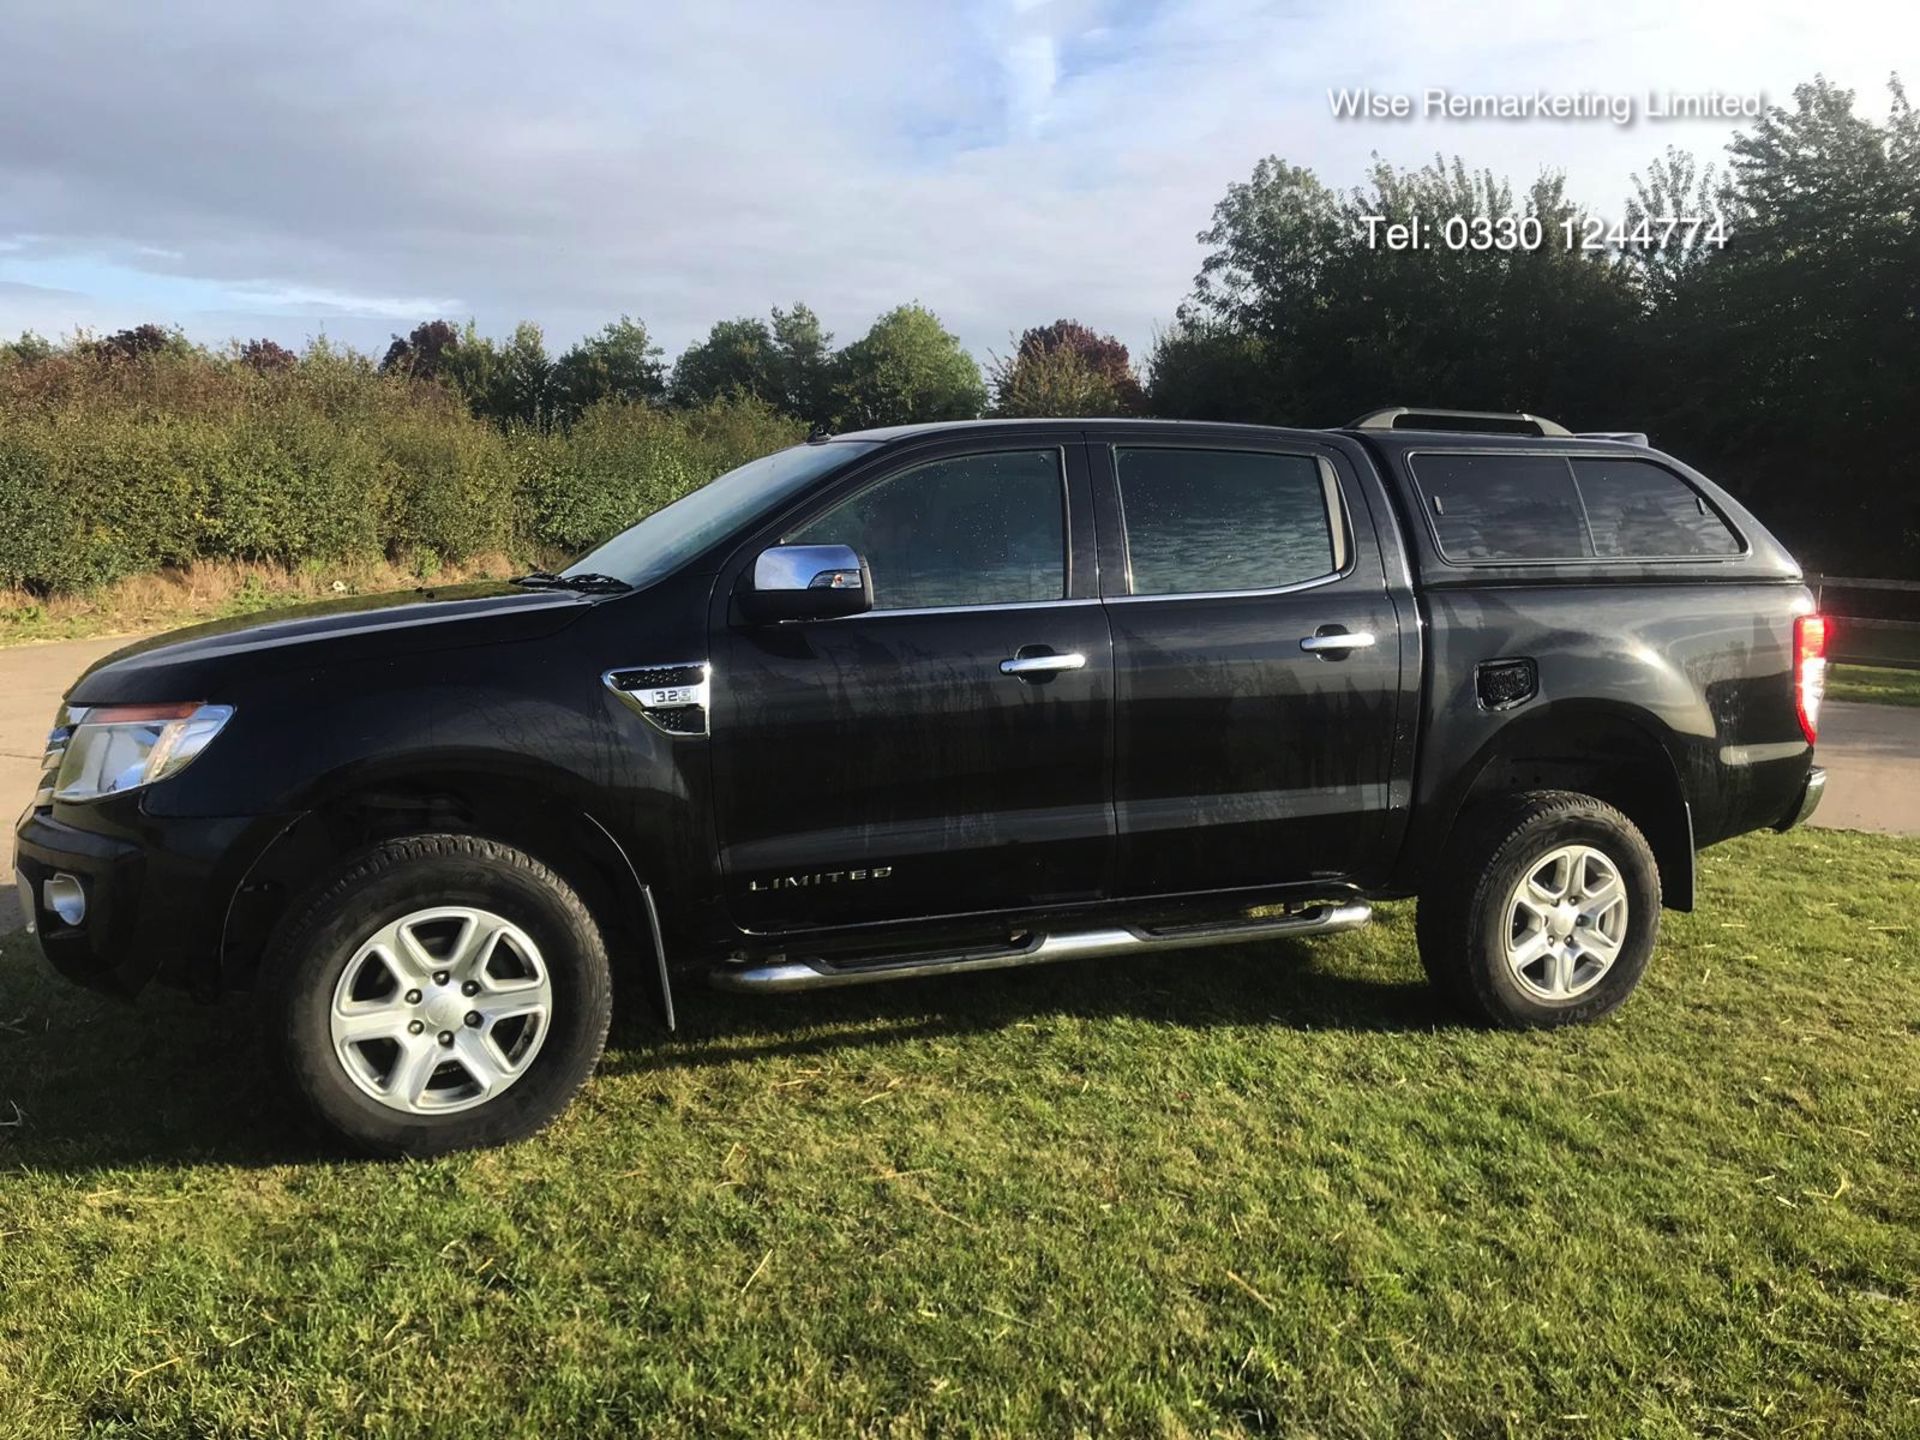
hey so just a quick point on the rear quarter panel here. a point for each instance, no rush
(1696, 654)
(1706, 669)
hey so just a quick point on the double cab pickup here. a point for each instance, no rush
(938, 699)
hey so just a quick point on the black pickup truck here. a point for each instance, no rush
(937, 699)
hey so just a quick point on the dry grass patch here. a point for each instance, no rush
(215, 589)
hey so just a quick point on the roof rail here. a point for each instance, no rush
(1405, 417)
(1630, 437)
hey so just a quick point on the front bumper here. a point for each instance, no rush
(1808, 802)
(156, 892)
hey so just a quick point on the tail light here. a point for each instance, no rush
(1809, 671)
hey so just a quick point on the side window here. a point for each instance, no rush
(1206, 520)
(1637, 509)
(984, 529)
(1503, 507)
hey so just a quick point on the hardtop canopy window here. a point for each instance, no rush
(1640, 510)
(1488, 508)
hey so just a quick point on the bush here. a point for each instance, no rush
(35, 535)
(116, 460)
(621, 462)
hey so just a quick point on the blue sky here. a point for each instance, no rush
(351, 168)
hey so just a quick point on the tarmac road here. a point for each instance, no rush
(1872, 752)
(32, 680)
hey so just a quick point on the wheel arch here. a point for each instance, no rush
(1612, 752)
(537, 808)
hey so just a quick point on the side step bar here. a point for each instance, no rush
(781, 976)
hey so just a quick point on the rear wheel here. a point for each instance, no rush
(1545, 911)
(440, 992)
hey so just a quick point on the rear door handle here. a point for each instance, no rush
(1043, 664)
(1343, 640)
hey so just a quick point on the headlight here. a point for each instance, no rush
(107, 749)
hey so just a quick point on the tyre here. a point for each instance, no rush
(1543, 913)
(440, 992)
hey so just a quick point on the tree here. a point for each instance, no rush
(736, 358)
(1549, 329)
(510, 382)
(1066, 369)
(29, 349)
(1337, 322)
(1799, 342)
(140, 340)
(620, 363)
(908, 368)
(421, 353)
(1784, 362)
(1049, 382)
(1272, 240)
(804, 365)
(267, 357)
(1673, 186)
(1208, 370)
(522, 392)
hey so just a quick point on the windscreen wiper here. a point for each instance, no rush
(588, 583)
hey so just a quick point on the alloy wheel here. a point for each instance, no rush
(1566, 922)
(441, 1010)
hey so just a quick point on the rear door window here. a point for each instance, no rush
(1639, 510)
(1206, 521)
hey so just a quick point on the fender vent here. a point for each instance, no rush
(648, 677)
(671, 698)
(685, 720)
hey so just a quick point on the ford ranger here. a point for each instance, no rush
(938, 699)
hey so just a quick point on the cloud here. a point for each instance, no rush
(361, 165)
(306, 300)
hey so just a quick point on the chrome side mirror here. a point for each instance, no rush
(805, 582)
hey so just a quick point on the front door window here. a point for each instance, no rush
(972, 530)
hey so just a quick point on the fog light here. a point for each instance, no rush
(66, 897)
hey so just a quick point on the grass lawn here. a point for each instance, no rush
(1875, 683)
(1259, 1190)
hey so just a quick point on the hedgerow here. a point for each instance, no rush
(114, 464)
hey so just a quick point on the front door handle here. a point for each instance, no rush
(1339, 642)
(1043, 664)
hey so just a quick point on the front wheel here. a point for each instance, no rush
(1544, 913)
(440, 992)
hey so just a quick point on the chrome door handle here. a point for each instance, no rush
(1043, 664)
(1357, 640)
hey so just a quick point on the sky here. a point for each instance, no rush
(344, 168)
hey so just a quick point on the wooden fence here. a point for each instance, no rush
(1870, 639)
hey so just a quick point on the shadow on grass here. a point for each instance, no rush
(1272, 984)
(88, 1084)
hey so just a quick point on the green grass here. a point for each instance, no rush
(1260, 1190)
(1874, 683)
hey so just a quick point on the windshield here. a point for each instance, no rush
(669, 537)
